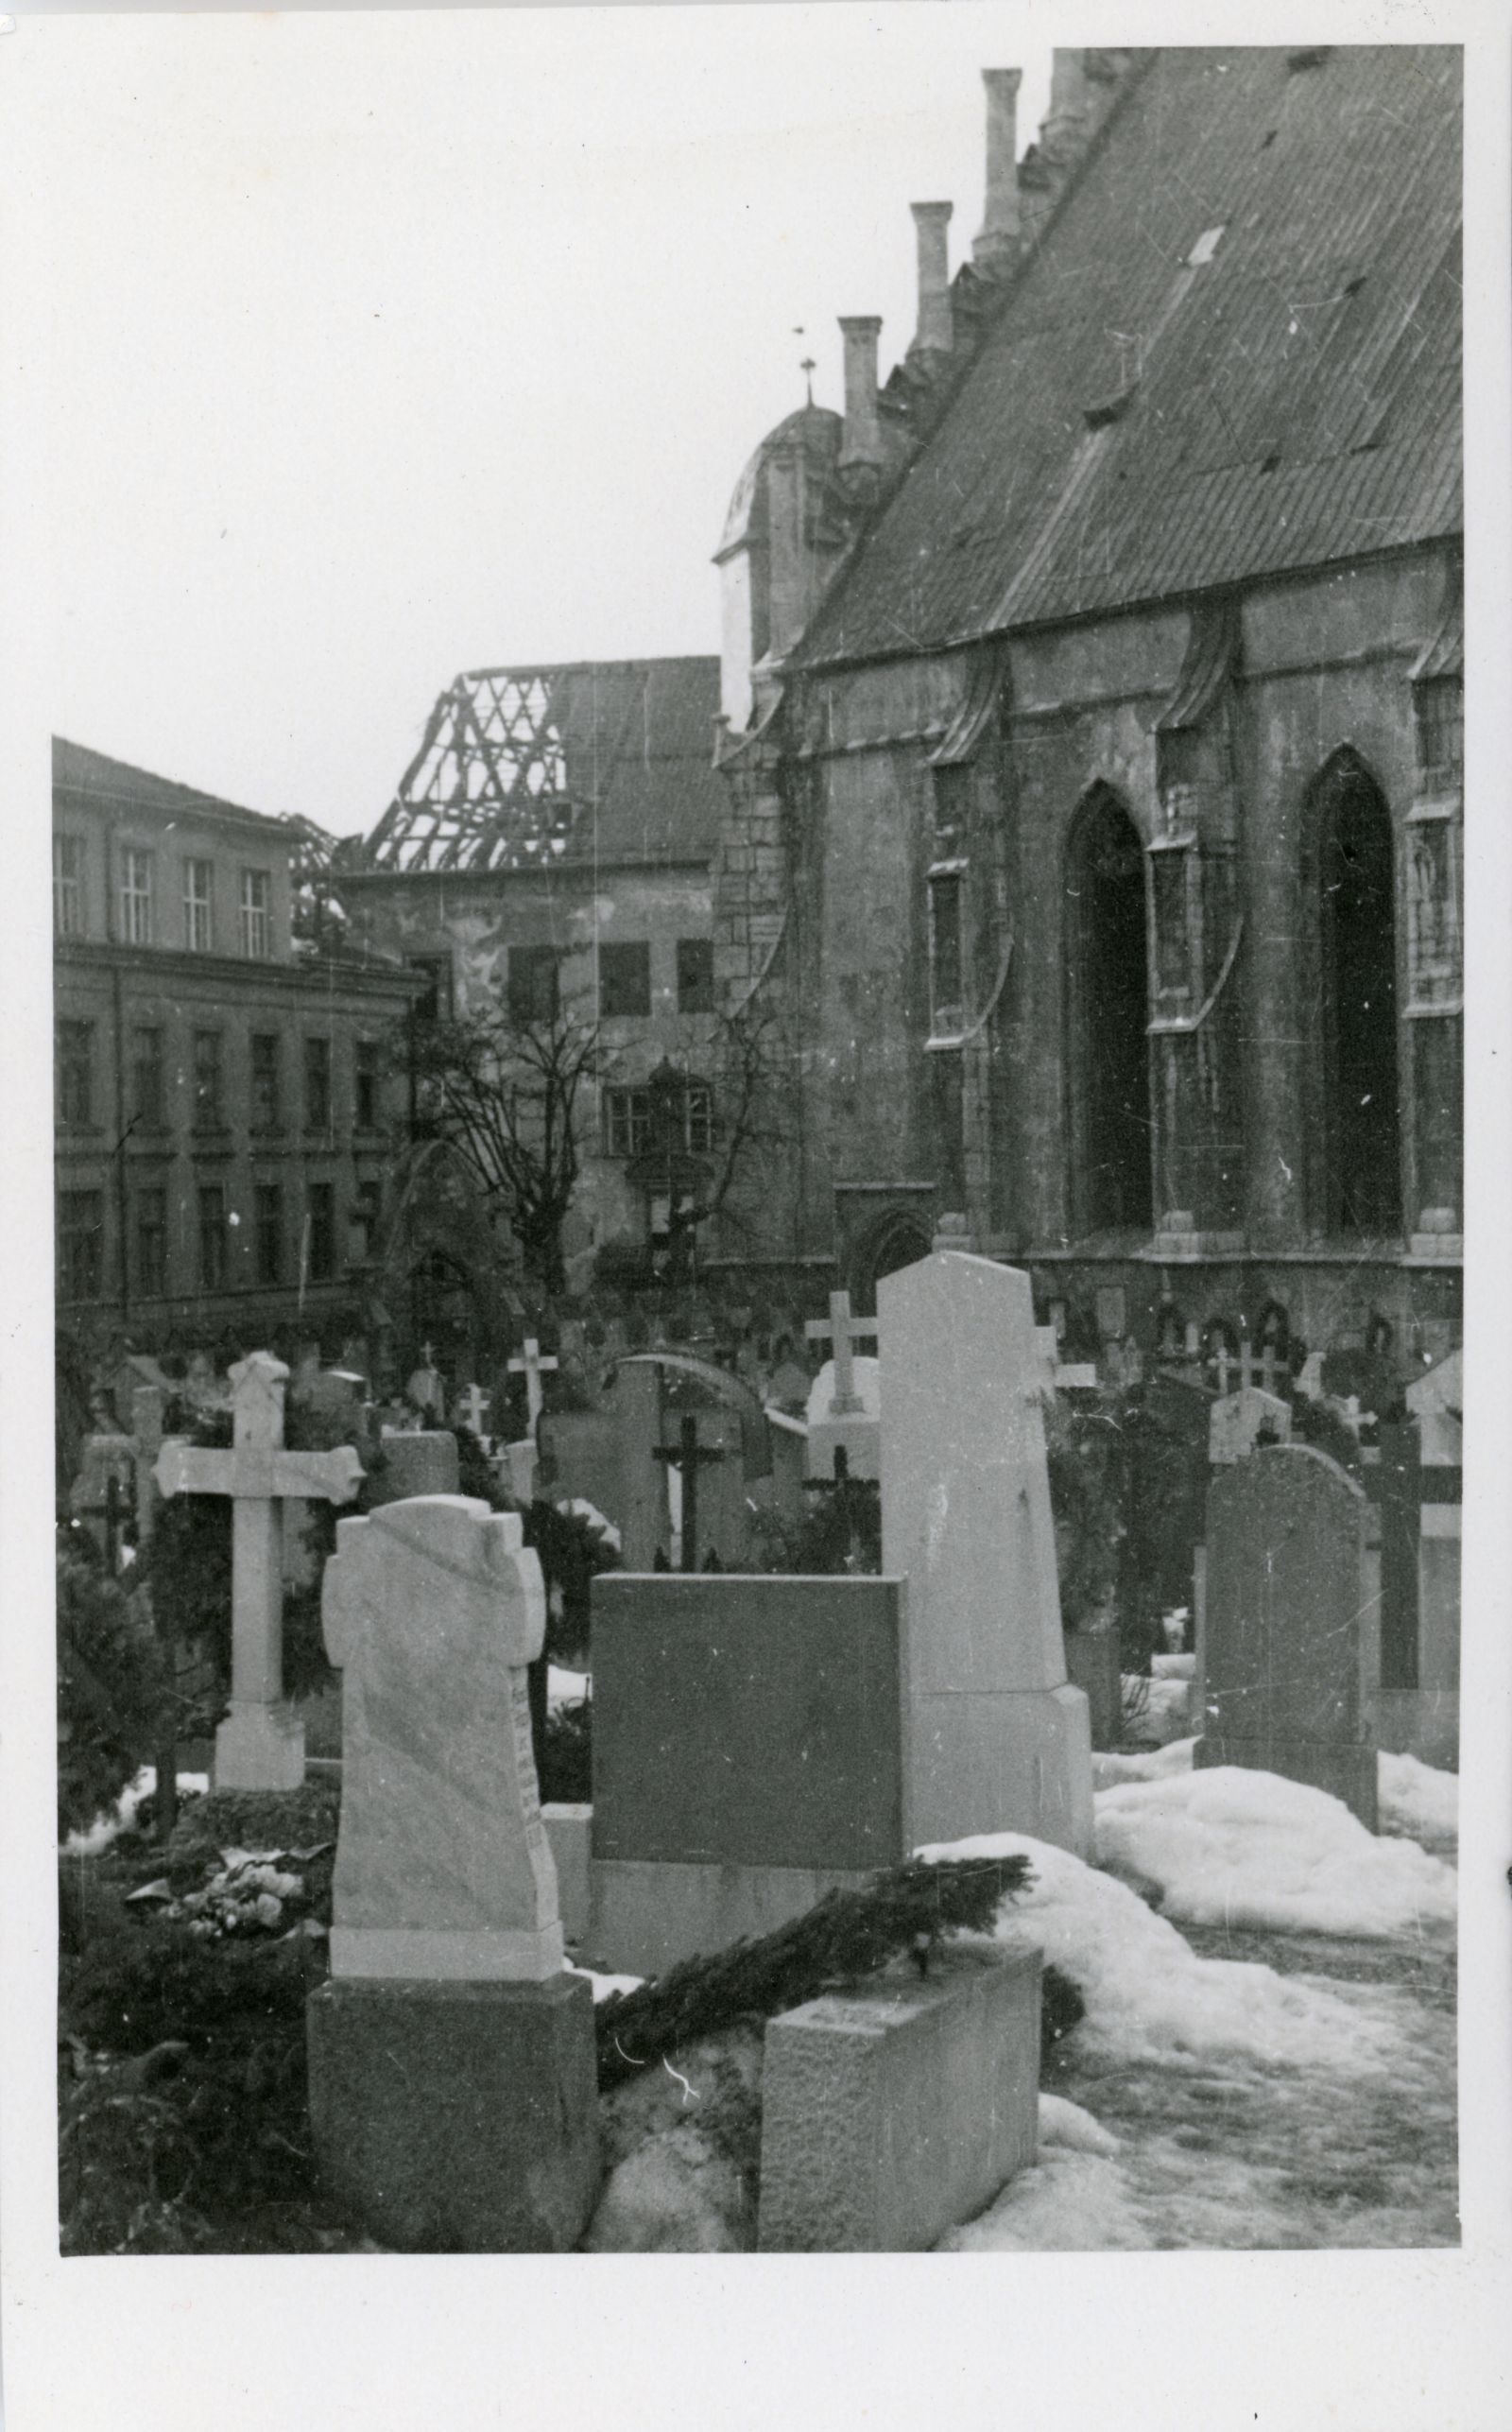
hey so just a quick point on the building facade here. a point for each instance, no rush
(548, 851)
(225, 1107)
(1093, 714)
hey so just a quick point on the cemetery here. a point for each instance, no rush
(701, 1804)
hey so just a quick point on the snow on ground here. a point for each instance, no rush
(565, 1688)
(1165, 1703)
(1238, 1846)
(1066, 2203)
(104, 1829)
(603, 1986)
(1417, 1800)
(1147, 1993)
(1065, 2123)
(1152, 1764)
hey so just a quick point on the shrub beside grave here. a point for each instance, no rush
(111, 1690)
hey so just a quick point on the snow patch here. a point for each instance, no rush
(565, 1688)
(578, 1507)
(1067, 2201)
(1148, 1995)
(1064, 2123)
(1232, 1846)
(1417, 1800)
(1153, 1765)
(603, 1986)
(122, 1818)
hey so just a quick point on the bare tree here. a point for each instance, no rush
(749, 1068)
(503, 1084)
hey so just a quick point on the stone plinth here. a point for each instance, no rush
(856, 1432)
(457, 2118)
(892, 2113)
(999, 1739)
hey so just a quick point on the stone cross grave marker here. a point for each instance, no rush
(844, 1332)
(432, 1609)
(999, 1739)
(148, 1405)
(1237, 1420)
(1291, 1654)
(99, 1497)
(260, 1746)
(532, 1366)
(472, 1409)
(844, 1420)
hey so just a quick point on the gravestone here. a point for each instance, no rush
(425, 1387)
(148, 1403)
(645, 1522)
(451, 2066)
(423, 1462)
(102, 1496)
(749, 1754)
(843, 1399)
(580, 1457)
(1419, 1484)
(1237, 1422)
(999, 1739)
(260, 1746)
(1291, 1654)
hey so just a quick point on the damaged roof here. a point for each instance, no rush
(524, 768)
(1236, 352)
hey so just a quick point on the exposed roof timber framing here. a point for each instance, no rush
(487, 789)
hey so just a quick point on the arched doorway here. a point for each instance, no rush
(1108, 1014)
(1357, 968)
(899, 1240)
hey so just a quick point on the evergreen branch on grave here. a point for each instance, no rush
(848, 1934)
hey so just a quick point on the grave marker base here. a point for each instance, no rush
(891, 2113)
(259, 1748)
(1345, 1770)
(457, 2118)
(1003, 1761)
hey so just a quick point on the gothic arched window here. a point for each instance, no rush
(1108, 1076)
(1356, 917)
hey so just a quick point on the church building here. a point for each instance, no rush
(1091, 719)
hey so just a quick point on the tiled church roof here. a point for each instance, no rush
(1141, 422)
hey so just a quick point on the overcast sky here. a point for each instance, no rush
(387, 346)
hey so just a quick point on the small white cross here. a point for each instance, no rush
(843, 1331)
(532, 1367)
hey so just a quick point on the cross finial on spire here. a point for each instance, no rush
(807, 367)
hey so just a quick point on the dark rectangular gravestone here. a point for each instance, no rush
(581, 1460)
(1293, 1624)
(743, 1721)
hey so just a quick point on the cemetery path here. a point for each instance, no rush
(1221, 2152)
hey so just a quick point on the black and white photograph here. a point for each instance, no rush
(764, 1045)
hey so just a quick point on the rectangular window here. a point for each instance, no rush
(627, 1122)
(210, 1096)
(318, 1084)
(436, 1005)
(320, 1235)
(268, 1231)
(623, 980)
(256, 934)
(264, 1080)
(533, 991)
(212, 1236)
(68, 886)
(197, 931)
(151, 1241)
(945, 953)
(696, 975)
(74, 1060)
(149, 1105)
(366, 1210)
(136, 896)
(367, 1085)
(80, 1236)
(699, 1128)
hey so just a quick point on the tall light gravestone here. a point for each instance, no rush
(998, 1738)
(452, 2070)
(1291, 1648)
(260, 1746)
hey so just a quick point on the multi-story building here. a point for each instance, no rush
(548, 851)
(227, 1105)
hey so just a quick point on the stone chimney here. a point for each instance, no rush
(1071, 105)
(998, 244)
(935, 334)
(861, 449)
